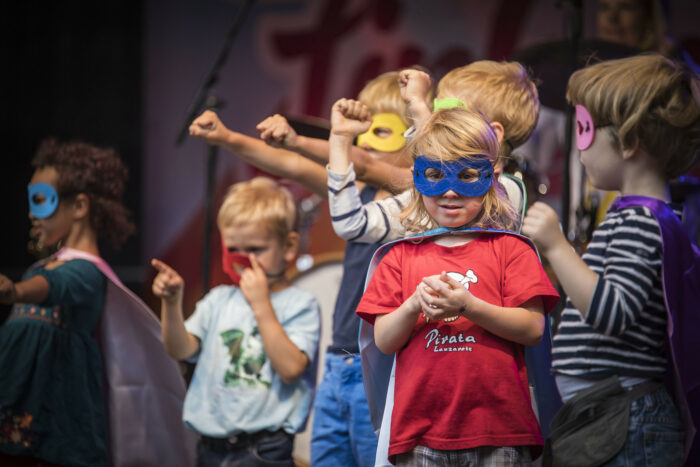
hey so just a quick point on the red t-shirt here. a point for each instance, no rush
(457, 385)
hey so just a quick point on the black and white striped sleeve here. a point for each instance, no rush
(627, 258)
(374, 222)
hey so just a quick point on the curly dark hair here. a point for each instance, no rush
(98, 173)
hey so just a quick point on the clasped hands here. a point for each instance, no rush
(440, 297)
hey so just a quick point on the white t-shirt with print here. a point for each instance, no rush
(234, 388)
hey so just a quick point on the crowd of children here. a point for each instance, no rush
(436, 275)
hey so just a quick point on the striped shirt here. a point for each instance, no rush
(624, 332)
(379, 221)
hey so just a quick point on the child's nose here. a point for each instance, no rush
(450, 194)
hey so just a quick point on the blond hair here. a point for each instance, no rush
(450, 135)
(262, 200)
(650, 101)
(383, 95)
(502, 91)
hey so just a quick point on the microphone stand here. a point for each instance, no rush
(576, 27)
(204, 98)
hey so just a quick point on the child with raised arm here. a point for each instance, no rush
(502, 91)
(342, 433)
(638, 127)
(377, 155)
(83, 367)
(456, 304)
(254, 342)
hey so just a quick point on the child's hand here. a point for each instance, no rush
(541, 224)
(167, 284)
(443, 297)
(254, 283)
(209, 127)
(8, 292)
(350, 118)
(276, 131)
(414, 85)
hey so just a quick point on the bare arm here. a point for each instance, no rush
(444, 297)
(414, 85)
(33, 290)
(277, 132)
(281, 162)
(169, 286)
(285, 357)
(349, 118)
(393, 330)
(579, 282)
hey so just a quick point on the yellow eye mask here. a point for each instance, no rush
(393, 142)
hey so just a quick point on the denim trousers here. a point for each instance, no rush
(342, 434)
(655, 437)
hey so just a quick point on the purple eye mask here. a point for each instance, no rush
(450, 176)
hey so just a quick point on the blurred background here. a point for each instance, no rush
(124, 73)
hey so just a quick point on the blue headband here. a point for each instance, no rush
(44, 208)
(450, 176)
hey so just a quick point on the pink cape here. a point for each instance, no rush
(144, 389)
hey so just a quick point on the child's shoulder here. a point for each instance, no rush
(72, 269)
(296, 297)
(629, 218)
(509, 242)
(222, 292)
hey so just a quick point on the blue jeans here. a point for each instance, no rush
(655, 436)
(342, 434)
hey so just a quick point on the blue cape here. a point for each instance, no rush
(378, 367)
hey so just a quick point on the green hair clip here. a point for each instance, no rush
(447, 103)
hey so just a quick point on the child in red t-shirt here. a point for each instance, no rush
(459, 307)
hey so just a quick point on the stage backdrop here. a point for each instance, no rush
(297, 57)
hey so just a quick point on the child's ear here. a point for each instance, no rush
(627, 153)
(499, 130)
(81, 206)
(291, 246)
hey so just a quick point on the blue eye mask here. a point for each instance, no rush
(42, 208)
(447, 176)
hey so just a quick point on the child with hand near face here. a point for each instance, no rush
(456, 304)
(502, 91)
(342, 431)
(254, 342)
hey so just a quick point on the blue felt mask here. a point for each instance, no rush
(42, 209)
(447, 177)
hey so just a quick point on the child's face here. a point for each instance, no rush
(386, 130)
(57, 226)
(256, 238)
(603, 161)
(397, 158)
(451, 209)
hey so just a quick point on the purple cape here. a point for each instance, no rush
(681, 283)
(144, 389)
